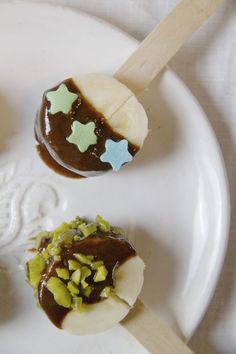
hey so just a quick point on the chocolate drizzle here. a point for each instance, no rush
(112, 250)
(51, 131)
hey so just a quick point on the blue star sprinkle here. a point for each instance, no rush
(116, 153)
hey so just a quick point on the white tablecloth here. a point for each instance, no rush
(207, 64)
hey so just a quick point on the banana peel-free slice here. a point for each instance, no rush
(98, 317)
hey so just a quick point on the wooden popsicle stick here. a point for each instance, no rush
(163, 43)
(137, 72)
(156, 337)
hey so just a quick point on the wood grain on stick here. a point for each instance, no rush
(156, 337)
(163, 43)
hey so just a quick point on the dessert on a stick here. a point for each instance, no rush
(86, 276)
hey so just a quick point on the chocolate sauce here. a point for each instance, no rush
(50, 162)
(53, 129)
(113, 251)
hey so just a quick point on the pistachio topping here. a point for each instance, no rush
(101, 274)
(66, 268)
(89, 229)
(60, 230)
(63, 273)
(73, 265)
(45, 254)
(67, 237)
(117, 230)
(87, 291)
(103, 224)
(76, 276)
(76, 222)
(106, 292)
(85, 273)
(96, 265)
(73, 288)
(60, 292)
(54, 251)
(35, 268)
(77, 304)
(83, 259)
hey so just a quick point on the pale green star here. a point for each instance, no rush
(61, 100)
(82, 135)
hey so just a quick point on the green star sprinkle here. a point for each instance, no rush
(61, 100)
(82, 135)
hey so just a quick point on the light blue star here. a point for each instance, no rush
(116, 153)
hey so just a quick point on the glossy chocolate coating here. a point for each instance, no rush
(112, 249)
(51, 131)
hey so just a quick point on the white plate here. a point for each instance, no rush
(173, 199)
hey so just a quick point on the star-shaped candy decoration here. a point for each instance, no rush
(116, 153)
(61, 100)
(82, 135)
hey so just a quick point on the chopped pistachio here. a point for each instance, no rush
(84, 284)
(76, 276)
(76, 238)
(54, 251)
(73, 265)
(83, 259)
(103, 224)
(118, 230)
(60, 292)
(63, 273)
(101, 274)
(106, 292)
(67, 236)
(77, 304)
(45, 254)
(49, 246)
(73, 288)
(60, 230)
(87, 230)
(85, 273)
(87, 291)
(95, 265)
(40, 237)
(35, 267)
(57, 258)
(76, 223)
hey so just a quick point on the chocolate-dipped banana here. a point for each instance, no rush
(89, 124)
(86, 276)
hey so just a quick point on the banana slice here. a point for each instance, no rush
(87, 275)
(117, 103)
(130, 121)
(104, 93)
(107, 313)
(90, 124)
(129, 280)
(96, 318)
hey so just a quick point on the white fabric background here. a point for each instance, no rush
(207, 64)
